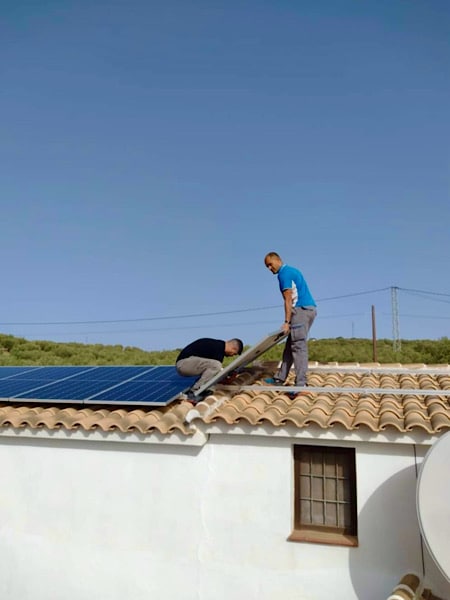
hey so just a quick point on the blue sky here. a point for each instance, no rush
(152, 153)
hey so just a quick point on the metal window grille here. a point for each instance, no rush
(325, 489)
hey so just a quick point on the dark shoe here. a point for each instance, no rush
(273, 381)
(191, 397)
(293, 395)
(194, 397)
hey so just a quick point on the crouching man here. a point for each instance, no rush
(204, 357)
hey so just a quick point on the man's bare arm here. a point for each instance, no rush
(287, 295)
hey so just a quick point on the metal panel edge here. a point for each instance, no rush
(246, 357)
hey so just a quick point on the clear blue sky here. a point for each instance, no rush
(152, 152)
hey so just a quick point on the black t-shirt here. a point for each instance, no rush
(205, 348)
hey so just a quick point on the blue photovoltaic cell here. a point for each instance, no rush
(84, 385)
(65, 390)
(114, 374)
(73, 383)
(14, 387)
(162, 373)
(148, 385)
(12, 371)
(53, 373)
(143, 392)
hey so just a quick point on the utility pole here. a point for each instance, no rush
(374, 336)
(397, 345)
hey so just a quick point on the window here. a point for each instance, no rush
(325, 495)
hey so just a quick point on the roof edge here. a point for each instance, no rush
(198, 438)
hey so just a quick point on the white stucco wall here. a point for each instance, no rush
(110, 521)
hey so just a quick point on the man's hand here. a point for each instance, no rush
(230, 378)
(285, 328)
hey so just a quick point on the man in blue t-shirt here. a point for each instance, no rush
(299, 314)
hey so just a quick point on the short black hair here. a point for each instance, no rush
(239, 344)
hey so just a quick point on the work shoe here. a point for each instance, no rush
(191, 397)
(293, 395)
(273, 381)
(194, 397)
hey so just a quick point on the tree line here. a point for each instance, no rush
(19, 351)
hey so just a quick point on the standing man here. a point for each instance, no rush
(299, 314)
(204, 357)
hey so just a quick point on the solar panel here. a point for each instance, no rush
(22, 382)
(131, 385)
(245, 358)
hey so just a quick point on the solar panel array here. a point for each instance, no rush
(148, 386)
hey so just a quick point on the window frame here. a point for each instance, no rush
(322, 534)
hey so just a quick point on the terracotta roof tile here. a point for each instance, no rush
(390, 419)
(415, 420)
(390, 405)
(440, 421)
(369, 406)
(352, 410)
(275, 415)
(444, 381)
(376, 412)
(250, 401)
(166, 420)
(341, 417)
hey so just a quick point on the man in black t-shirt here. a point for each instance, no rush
(204, 357)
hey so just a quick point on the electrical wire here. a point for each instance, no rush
(417, 316)
(354, 294)
(423, 292)
(179, 327)
(224, 312)
(427, 297)
(189, 316)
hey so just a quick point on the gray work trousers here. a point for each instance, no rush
(196, 365)
(296, 348)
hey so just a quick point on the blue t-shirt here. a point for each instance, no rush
(290, 278)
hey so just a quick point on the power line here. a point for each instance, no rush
(189, 316)
(420, 316)
(427, 296)
(424, 292)
(178, 327)
(354, 294)
(137, 320)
